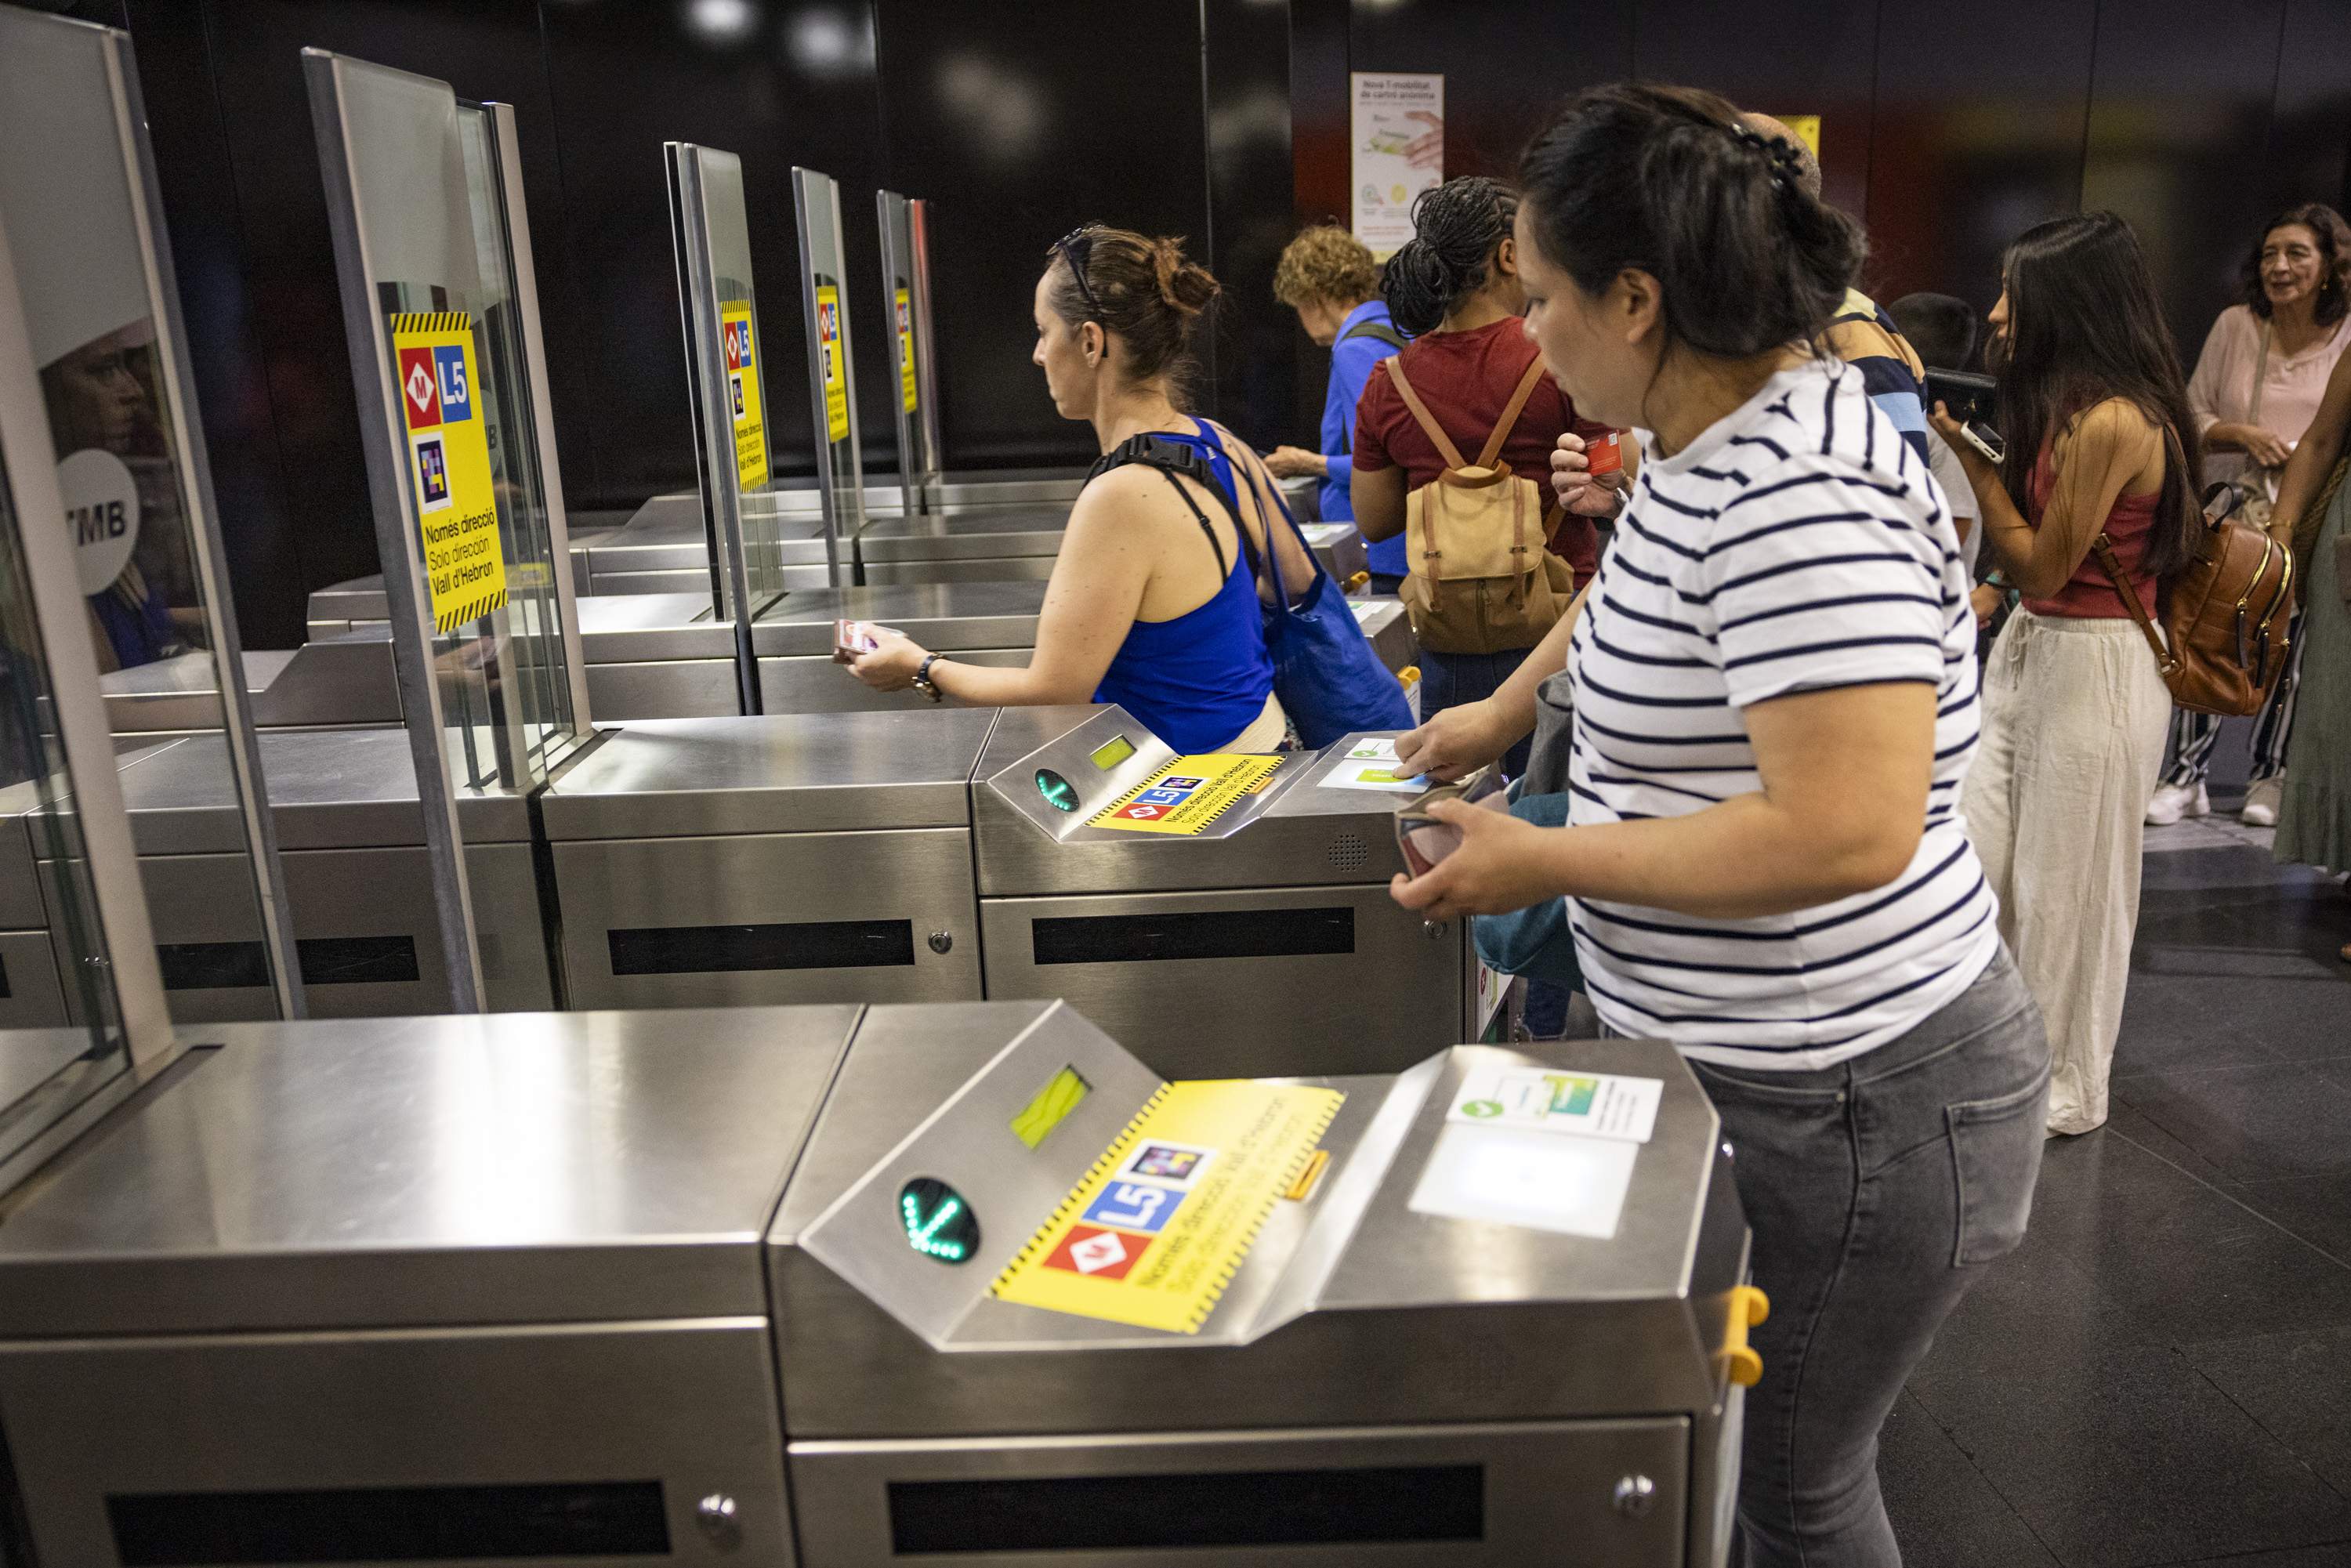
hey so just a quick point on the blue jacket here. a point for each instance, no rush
(1351, 367)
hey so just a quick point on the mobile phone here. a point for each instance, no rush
(1973, 400)
(1424, 839)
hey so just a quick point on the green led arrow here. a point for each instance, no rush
(1056, 790)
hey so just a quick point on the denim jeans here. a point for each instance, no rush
(1877, 1190)
(1448, 680)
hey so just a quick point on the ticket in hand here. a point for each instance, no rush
(1602, 455)
(852, 640)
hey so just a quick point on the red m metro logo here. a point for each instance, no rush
(420, 389)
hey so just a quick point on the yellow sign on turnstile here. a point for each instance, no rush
(906, 350)
(1159, 1225)
(836, 372)
(449, 464)
(1188, 794)
(743, 392)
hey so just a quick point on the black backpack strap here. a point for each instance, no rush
(1374, 328)
(1174, 458)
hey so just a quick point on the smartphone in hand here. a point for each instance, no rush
(1424, 839)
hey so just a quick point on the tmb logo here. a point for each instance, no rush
(419, 388)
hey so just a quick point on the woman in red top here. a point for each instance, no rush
(2099, 440)
(1454, 287)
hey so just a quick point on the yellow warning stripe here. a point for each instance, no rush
(431, 321)
(471, 610)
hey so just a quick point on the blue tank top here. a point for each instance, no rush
(1200, 679)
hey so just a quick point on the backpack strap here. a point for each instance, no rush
(2112, 563)
(1373, 329)
(1419, 411)
(1510, 411)
(1174, 458)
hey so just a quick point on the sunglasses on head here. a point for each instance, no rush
(1077, 248)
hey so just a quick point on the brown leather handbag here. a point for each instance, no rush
(2226, 613)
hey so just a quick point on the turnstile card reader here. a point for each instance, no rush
(1378, 1379)
(429, 1289)
(1265, 941)
(820, 857)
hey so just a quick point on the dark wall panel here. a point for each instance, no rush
(1020, 121)
(2309, 155)
(1254, 364)
(1781, 57)
(794, 84)
(2179, 112)
(1964, 157)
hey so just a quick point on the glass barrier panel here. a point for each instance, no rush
(832, 371)
(101, 310)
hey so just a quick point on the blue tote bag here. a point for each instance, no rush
(1329, 680)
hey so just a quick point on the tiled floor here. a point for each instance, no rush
(2162, 1372)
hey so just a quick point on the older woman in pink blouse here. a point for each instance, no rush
(2256, 388)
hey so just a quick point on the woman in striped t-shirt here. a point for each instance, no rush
(1775, 703)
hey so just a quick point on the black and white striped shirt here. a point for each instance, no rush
(1799, 544)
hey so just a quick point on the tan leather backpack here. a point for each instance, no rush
(1482, 579)
(2225, 613)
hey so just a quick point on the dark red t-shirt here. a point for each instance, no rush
(1466, 380)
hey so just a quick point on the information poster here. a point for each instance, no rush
(1189, 794)
(906, 350)
(836, 373)
(1161, 1222)
(449, 465)
(743, 392)
(1807, 128)
(1399, 151)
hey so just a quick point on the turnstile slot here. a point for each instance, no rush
(356, 960)
(1204, 934)
(1392, 1503)
(388, 1525)
(212, 966)
(788, 945)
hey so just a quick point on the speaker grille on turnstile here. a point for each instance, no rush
(1349, 852)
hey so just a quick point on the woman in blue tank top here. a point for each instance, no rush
(1152, 603)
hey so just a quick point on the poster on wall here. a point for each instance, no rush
(1807, 128)
(1399, 151)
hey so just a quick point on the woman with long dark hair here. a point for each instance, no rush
(1774, 709)
(2255, 389)
(2100, 444)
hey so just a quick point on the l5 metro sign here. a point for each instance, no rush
(434, 382)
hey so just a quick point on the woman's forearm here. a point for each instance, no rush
(1737, 860)
(1003, 686)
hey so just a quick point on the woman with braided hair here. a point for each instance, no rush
(1454, 287)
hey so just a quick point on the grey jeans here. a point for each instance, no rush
(1877, 1190)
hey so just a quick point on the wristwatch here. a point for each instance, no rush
(923, 682)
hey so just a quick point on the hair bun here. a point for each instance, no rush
(1184, 285)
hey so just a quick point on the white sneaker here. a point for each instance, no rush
(2262, 803)
(2173, 801)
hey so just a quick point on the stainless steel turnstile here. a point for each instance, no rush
(433, 1291)
(911, 857)
(823, 857)
(418, 1290)
(663, 655)
(1383, 1381)
(358, 882)
(1267, 944)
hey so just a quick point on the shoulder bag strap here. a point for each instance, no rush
(1379, 330)
(1510, 411)
(2103, 548)
(1419, 411)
